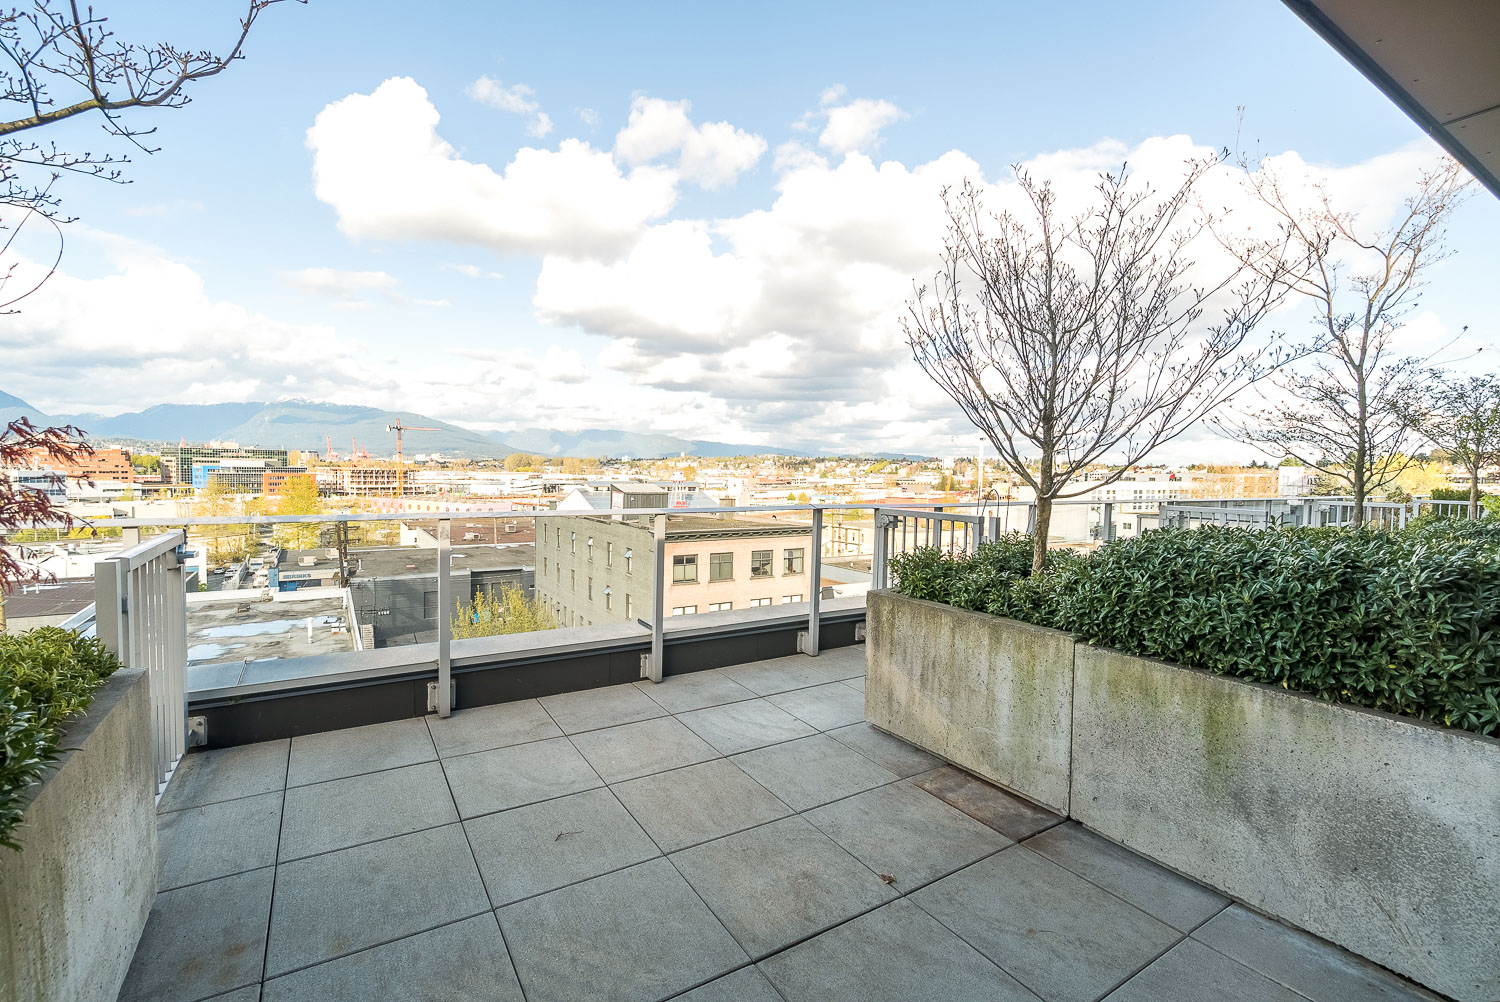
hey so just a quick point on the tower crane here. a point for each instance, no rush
(398, 428)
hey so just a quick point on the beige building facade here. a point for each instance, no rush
(601, 569)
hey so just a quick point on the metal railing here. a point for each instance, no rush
(141, 607)
(140, 614)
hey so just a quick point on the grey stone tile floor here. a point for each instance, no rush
(737, 834)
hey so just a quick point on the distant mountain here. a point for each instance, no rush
(637, 445)
(305, 424)
(645, 445)
(302, 424)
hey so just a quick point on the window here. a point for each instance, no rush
(721, 566)
(609, 599)
(720, 606)
(544, 532)
(684, 610)
(756, 603)
(429, 605)
(684, 568)
(792, 562)
(544, 567)
(760, 563)
(789, 599)
(572, 580)
(629, 612)
(591, 547)
(591, 589)
(628, 554)
(609, 554)
(572, 542)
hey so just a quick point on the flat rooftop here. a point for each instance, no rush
(61, 597)
(735, 834)
(397, 561)
(466, 531)
(227, 635)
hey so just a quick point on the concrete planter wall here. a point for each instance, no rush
(1379, 833)
(74, 900)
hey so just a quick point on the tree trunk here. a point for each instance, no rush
(1474, 491)
(1039, 534)
(1359, 503)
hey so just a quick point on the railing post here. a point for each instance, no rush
(879, 551)
(1107, 516)
(445, 628)
(815, 585)
(658, 598)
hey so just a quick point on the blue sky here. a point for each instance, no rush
(380, 287)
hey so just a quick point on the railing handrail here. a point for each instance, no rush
(430, 516)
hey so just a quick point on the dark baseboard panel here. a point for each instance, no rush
(314, 708)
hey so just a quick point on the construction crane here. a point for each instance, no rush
(398, 428)
(330, 456)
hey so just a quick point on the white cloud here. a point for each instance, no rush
(518, 99)
(589, 116)
(712, 155)
(379, 162)
(472, 271)
(856, 126)
(339, 284)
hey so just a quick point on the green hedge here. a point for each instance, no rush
(47, 676)
(1406, 621)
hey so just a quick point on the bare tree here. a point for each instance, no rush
(1075, 339)
(24, 445)
(58, 62)
(1354, 412)
(1464, 421)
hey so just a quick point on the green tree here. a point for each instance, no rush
(225, 542)
(507, 611)
(299, 498)
(1465, 422)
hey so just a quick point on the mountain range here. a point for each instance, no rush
(309, 426)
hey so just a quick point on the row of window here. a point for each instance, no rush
(755, 603)
(721, 565)
(609, 547)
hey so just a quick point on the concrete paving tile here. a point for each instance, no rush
(812, 771)
(544, 846)
(502, 778)
(636, 934)
(1303, 962)
(857, 683)
(215, 840)
(208, 777)
(1014, 817)
(639, 749)
(592, 709)
(741, 726)
(341, 902)
(745, 985)
(354, 750)
(774, 885)
(780, 675)
(480, 728)
(462, 962)
(823, 706)
(896, 953)
(884, 750)
(345, 812)
(202, 940)
(699, 803)
(906, 833)
(1191, 972)
(694, 691)
(838, 663)
(1059, 935)
(250, 993)
(1155, 890)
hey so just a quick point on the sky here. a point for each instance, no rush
(700, 220)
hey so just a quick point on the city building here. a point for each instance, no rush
(177, 461)
(102, 464)
(599, 569)
(244, 476)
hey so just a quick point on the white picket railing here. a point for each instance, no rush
(140, 613)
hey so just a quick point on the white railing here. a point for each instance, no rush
(140, 613)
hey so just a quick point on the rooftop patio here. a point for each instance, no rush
(740, 833)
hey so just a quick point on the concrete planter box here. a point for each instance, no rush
(74, 900)
(1379, 833)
